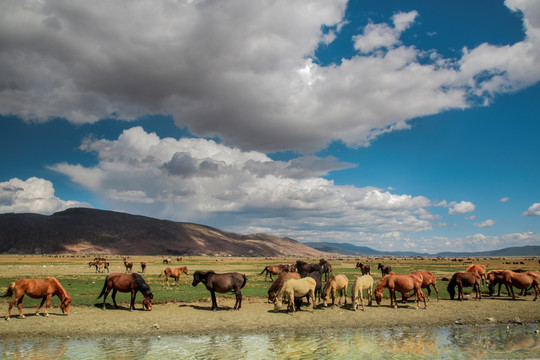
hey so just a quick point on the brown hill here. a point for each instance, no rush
(90, 231)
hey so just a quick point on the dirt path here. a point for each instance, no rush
(257, 316)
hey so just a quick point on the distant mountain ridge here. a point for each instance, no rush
(91, 231)
(353, 250)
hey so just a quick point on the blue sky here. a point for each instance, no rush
(395, 125)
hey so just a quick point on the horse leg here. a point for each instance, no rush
(40, 305)
(12, 303)
(512, 291)
(105, 298)
(132, 304)
(114, 298)
(536, 289)
(436, 291)
(393, 299)
(311, 294)
(214, 301)
(238, 303)
(460, 292)
(19, 305)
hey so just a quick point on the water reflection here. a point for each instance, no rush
(463, 342)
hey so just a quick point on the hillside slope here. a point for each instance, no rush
(81, 230)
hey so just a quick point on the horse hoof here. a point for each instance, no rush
(7, 318)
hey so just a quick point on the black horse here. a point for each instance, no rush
(304, 269)
(222, 283)
(127, 283)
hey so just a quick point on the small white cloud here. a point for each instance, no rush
(487, 223)
(505, 199)
(33, 195)
(472, 217)
(461, 208)
(534, 210)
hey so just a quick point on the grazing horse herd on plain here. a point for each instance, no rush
(294, 282)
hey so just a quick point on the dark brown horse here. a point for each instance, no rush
(365, 269)
(143, 267)
(464, 279)
(222, 283)
(385, 270)
(42, 289)
(304, 269)
(128, 265)
(278, 283)
(127, 283)
(522, 280)
(326, 268)
(402, 283)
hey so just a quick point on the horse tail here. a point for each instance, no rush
(9, 291)
(104, 288)
(245, 281)
(265, 269)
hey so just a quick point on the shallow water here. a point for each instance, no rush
(457, 342)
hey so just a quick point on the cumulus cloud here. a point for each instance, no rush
(461, 208)
(534, 210)
(242, 70)
(486, 223)
(33, 195)
(193, 179)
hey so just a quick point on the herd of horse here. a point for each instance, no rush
(294, 282)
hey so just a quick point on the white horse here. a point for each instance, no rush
(361, 283)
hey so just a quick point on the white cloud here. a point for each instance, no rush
(237, 70)
(486, 223)
(505, 199)
(534, 210)
(33, 195)
(461, 208)
(202, 181)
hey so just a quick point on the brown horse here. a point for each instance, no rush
(304, 269)
(128, 265)
(402, 283)
(520, 280)
(479, 269)
(278, 283)
(336, 283)
(174, 273)
(274, 270)
(366, 269)
(494, 277)
(42, 289)
(464, 279)
(221, 283)
(127, 283)
(100, 266)
(385, 270)
(143, 267)
(428, 279)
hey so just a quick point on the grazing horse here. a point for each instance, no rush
(361, 283)
(128, 265)
(295, 288)
(304, 269)
(221, 283)
(174, 273)
(127, 283)
(520, 280)
(493, 278)
(366, 269)
(402, 283)
(464, 279)
(428, 279)
(42, 289)
(143, 267)
(479, 269)
(337, 283)
(385, 270)
(100, 266)
(274, 270)
(278, 283)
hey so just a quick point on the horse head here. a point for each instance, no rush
(378, 296)
(147, 301)
(65, 304)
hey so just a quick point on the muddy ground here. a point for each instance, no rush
(257, 316)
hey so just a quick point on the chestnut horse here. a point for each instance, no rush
(336, 283)
(464, 279)
(42, 289)
(221, 283)
(174, 273)
(100, 266)
(402, 283)
(494, 277)
(366, 269)
(278, 283)
(428, 279)
(385, 270)
(274, 270)
(520, 280)
(127, 283)
(128, 265)
(479, 269)
(361, 283)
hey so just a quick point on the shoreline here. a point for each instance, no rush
(256, 317)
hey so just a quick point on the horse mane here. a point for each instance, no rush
(144, 288)
(382, 284)
(60, 291)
